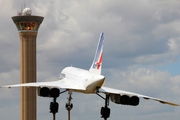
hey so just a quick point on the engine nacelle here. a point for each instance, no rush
(43, 92)
(134, 101)
(54, 92)
(124, 99)
(48, 92)
(115, 98)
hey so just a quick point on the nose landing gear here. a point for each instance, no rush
(69, 105)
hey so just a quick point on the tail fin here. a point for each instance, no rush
(97, 62)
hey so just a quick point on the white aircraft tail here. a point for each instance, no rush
(97, 62)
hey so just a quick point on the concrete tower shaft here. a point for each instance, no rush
(28, 29)
(28, 74)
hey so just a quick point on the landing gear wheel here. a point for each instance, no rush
(54, 107)
(105, 112)
(69, 106)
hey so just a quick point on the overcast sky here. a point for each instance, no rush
(141, 54)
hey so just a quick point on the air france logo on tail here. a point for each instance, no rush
(98, 64)
(98, 57)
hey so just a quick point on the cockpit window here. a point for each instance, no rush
(62, 75)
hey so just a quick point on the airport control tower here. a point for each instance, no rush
(27, 26)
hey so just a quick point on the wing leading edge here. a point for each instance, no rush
(107, 90)
(63, 83)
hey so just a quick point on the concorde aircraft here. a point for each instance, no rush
(90, 81)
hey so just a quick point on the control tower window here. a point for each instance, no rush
(27, 26)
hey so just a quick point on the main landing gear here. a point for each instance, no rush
(54, 106)
(105, 111)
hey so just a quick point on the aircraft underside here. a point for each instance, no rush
(105, 110)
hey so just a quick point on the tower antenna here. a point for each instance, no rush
(24, 4)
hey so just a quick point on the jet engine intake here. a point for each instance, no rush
(43, 92)
(54, 92)
(48, 92)
(134, 101)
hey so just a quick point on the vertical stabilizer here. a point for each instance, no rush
(97, 62)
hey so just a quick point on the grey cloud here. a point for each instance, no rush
(139, 35)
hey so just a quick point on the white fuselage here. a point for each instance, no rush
(83, 78)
